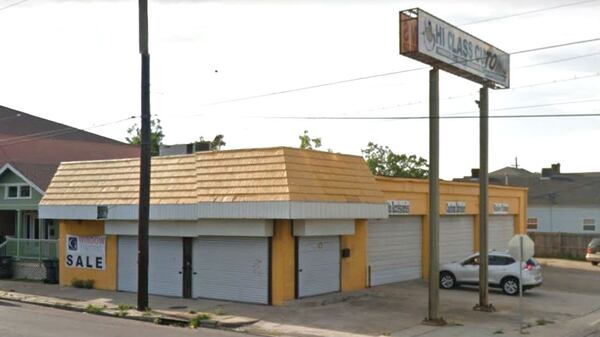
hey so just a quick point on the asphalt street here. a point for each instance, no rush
(23, 320)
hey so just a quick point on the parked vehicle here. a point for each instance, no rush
(503, 272)
(593, 252)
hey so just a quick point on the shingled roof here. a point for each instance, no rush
(36, 146)
(253, 175)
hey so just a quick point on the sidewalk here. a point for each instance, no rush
(391, 310)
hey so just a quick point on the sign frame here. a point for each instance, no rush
(412, 45)
(85, 252)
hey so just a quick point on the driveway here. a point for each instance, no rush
(570, 296)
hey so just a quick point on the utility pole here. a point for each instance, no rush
(484, 304)
(144, 202)
(434, 198)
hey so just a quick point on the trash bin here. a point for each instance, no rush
(6, 269)
(51, 271)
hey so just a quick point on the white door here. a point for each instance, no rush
(165, 262)
(318, 265)
(456, 237)
(500, 231)
(394, 249)
(231, 268)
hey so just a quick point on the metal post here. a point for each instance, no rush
(521, 323)
(484, 304)
(434, 199)
(144, 198)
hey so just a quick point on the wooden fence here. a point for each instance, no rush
(561, 245)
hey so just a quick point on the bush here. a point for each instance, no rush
(195, 322)
(85, 284)
(92, 309)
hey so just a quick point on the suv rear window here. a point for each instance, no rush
(594, 243)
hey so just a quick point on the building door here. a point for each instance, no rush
(231, 268)
(456, 237)
(318, 265)
(31, 229)
(501, 230)
(394, 249)
(165, 265)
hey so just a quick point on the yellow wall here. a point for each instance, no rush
(283, 268)
(354, 268)
(104, 279)
(416, 191)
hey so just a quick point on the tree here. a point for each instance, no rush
(156, 135)
(215, 144)
(382, 161)
(309, 143)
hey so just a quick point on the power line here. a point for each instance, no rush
(440, 117)
(558, 60)
(327, 84)
(526, 12)
(533, 106)
(16, 3)
(54, 133)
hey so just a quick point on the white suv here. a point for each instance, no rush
(503, 272)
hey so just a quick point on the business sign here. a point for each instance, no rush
(500, 208)
(430, 40)
(456, 207)
(398, 207)
(86, 252)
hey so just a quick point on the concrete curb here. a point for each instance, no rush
(158, 316)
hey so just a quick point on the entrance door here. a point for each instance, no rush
(318, 265)
(456, 237)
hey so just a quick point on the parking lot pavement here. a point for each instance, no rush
(569, 298)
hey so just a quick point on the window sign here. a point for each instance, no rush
(397, 207)
(455, 207)
(85, 252)
(500, 208)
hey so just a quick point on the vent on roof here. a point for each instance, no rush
(555, 168)
(102, 212)
(546, 172)
(474, 173)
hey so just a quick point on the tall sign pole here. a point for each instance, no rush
(144, 199)
(428, 39)
(434, 197)
(484, 304)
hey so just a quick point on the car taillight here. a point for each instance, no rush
(528, 266)
(589, 250)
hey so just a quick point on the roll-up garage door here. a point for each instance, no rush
(231, 268)
(318, 265)
(165, 261)
(394, 249)
(501, 229)
(456, 237)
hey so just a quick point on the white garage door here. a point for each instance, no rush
(500, 230)
(456, 237)
(231, 268)
(165, 261)
(318, 265)
(394, 249)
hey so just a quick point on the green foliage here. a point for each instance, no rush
(156, 135)
(382, 161)
(215, 144)
(85, 284)
(195, 322)
(124, 307)
(309, 143)
(94, 309)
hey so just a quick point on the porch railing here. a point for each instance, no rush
(30, 249)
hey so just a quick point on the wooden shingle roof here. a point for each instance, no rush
(271, 174)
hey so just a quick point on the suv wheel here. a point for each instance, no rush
(447, 280)
(594, 263)
(510, 286)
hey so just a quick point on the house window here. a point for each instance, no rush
(589, 225)
(17, 191)
(532, 223)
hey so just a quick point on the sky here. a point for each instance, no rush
(77, 62)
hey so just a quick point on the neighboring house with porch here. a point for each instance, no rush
(31, 149)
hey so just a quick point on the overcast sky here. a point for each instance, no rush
(77, 62)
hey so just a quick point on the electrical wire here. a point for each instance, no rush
(16, 3)
(327, 84)
(526, 12)
(428, 117)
